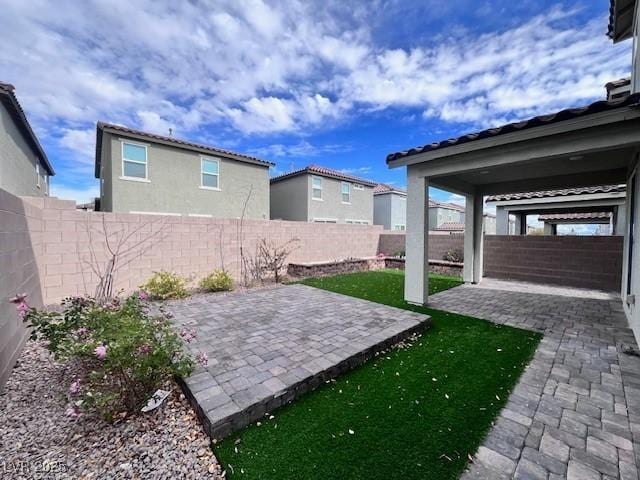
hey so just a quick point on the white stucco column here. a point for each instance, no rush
(619, 219)
(502, 221)
(473, 238)
(548, 228)
(416, 280)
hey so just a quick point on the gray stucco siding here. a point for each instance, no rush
(174, 184)
(390, 210)
(18, 161)
(360, 208)
(290, 199)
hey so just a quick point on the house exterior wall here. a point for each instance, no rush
(390, 210)
(21, 241)
(439, 215)
(173, 186)
(489, 225)
(18, 161)
(331, 206)
(290, 199)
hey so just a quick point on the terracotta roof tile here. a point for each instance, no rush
(324, 172)
(574, 216)
(596, 107)
(384, 188)
(558, 193)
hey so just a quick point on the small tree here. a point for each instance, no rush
(273, 257)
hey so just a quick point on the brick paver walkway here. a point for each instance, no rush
(267, 347)
(576, 411)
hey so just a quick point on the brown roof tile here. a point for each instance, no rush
(324, 172)
(557, 193)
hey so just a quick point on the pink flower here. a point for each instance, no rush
(73, 411)
(143, 296)
(74, 388)
(20, 300)
(144, 349)
(188, 334)
(101, 351)
(202, 359)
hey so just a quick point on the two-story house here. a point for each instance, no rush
(319, 194)
(24, 167)
(145, 173)
(441, 213)
(390, 207)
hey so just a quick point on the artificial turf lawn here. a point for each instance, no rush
(412, 413)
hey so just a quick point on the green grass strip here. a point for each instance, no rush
(413, 413)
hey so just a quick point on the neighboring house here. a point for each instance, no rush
(390, 207)
(551, 221)
(145, 173)
(24, 167)
(445, 212)
(618, 88)
(571, 204)
(319, 194)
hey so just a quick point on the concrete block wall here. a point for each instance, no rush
(439, 245)
(21, 239)
(585, 262)
(74, 240)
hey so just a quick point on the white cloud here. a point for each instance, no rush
(79, 194)
(299, 149)
(80, 141)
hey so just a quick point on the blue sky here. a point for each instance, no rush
(340, 84)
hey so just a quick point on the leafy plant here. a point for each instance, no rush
(217, 281)
(117, 353)
(166, 285)
(455, 255)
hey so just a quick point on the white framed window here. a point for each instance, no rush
(210, 173)
(134, 161)
(325, 220)
(37, 174)
(316, 188)
(45, 180)
(346, 192)
(400, 227)
(358, 186)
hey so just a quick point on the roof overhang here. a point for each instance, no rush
(621, 17)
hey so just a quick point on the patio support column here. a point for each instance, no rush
(502, 221)
(473, 238)
(416, 282)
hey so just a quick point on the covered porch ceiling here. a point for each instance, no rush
(595, 145)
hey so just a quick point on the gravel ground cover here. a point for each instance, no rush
(37, 440)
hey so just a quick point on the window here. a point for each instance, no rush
(210, 171)
(37, 175)
(358, 186)
(134, 160)
(45, 180)
(356, 222)
(316, 188)
(325, 220)
(346, 192)
(400, 227)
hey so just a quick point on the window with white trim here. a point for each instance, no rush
(210, 173)
(325, 220)
(356, 222)
(400, 227)
(358, 186)
(37, 174)
(346, 192)
(316, 188)
(45, 180)
(134, 160)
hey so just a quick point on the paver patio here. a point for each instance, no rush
(267, 347)
(575, 412)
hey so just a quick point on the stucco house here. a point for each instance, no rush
(598, 204)
(322, 195)
(441, 213)
(145, 173)
(24, 167)
(587, 146)
(390, 207)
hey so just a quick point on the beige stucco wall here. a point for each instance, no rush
(290, 199)
(20, 250)
(174, 185)
(332, 207)
(18, 160)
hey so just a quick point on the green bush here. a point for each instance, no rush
(165, 285)
(116, 354)
(217, 281)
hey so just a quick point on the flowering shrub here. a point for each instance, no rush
(117, 353)
(165, 285)
(217, 281)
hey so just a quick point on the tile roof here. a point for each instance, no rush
(596, 107)
(324, 172)
(620, 19)
(558, 193)
(451, 227)
(449, 205)
(574, 216)
(125, 131)
(384, 188)
(10, 101)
